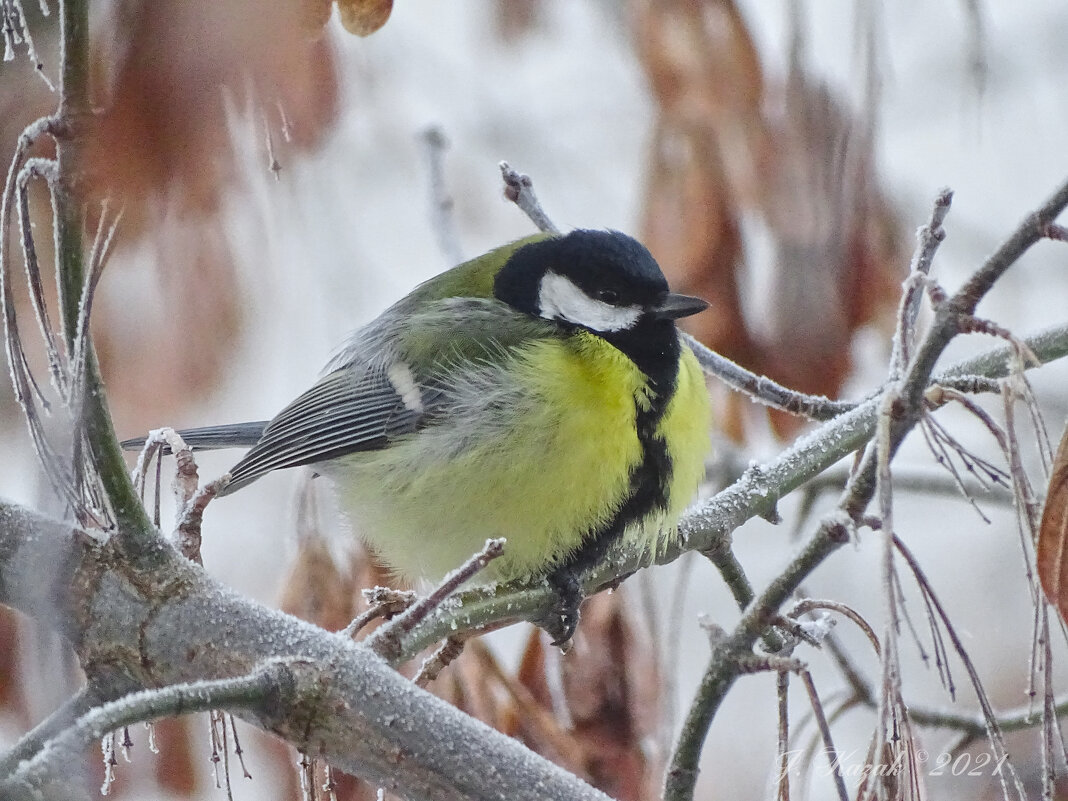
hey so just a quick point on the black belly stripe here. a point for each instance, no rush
(648, 485)
(653, 345)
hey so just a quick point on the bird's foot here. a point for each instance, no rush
(563, 619)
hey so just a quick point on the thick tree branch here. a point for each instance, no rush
(142, 629)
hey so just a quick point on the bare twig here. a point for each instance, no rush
(441, 203)
(16, 30)
(782, 745)
(994, 732)
(439, 660)
(762, 389)
(386, 641)
(920, 482)
(809, 604)
(825, 734)
(55, 724)
(98, 258)
(908, 409)
(519, 189)
(248, 692)
(929, 237)
(382, 602)
(44, 169)
(187, 534)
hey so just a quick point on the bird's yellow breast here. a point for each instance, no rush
(542, 460)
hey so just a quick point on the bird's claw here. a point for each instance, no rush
(563, 618)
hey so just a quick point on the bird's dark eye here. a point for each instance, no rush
(608, 295)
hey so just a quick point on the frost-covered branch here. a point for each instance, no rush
(708, 526)
(171, 623)
(47, 774)
(63, 718)
(898, 409)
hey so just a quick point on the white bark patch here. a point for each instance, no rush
(560, 299)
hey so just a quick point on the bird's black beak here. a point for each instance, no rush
(674, 306)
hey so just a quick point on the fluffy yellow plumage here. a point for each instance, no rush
(539, 393)
(553, 476)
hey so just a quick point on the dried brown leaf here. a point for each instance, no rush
(316, 15)
(175, 767)
(838, 259)
(169, 70)
(701, 62)
(12, 698)
(689, 226)
(799, 167)
(611, 691)
(197, 335)
(364, 17)
(317, 589)
(1052, 548)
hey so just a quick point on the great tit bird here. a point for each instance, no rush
(540, 393)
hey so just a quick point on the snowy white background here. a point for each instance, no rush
(348, 231)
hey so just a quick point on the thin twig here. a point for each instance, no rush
(807, 605)
(921, 482)
(994, 732)
(98, 258)
(782, 745)
(382, 602)
(441, 203)
(246, 692)
(825, 734)
(31, 743)
(835, 530)
(44, 169)
(187, 531)
(519, 188)
(238, 750)
(15, 25)
(439, 660)
(929, 237)
(762, 389)
(385, 642)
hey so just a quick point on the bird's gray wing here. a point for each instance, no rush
(363, 405)
(346, 411)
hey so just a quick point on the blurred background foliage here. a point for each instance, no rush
(774, 156)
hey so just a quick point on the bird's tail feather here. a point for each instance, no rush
(234, 435)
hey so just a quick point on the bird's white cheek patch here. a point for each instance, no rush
(559, 298)
(400, 376)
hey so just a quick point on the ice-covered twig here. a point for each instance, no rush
(386, 641)
(519, 188)
(263, 686)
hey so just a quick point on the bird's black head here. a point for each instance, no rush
(602, 281)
